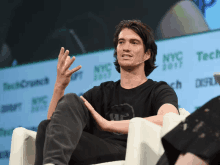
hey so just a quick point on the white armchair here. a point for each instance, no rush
(144, 146)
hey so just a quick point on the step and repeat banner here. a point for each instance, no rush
(186, 63)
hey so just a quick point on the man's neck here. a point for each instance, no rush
(131, 80)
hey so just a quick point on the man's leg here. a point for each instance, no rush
(90, 149)
(65, 129)
(93, 150)
(39, 143)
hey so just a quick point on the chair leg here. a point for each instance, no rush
(190, 159)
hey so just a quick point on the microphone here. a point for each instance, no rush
(140, 62)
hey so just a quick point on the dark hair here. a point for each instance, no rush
(146, 33)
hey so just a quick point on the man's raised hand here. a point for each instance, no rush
(63, 72)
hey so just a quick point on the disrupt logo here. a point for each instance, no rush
(10, 107)
(76, 76)
(25, 84)
(197, 107)
(204, 82)
(102, 71)
(172, 60)
(208, 56)
(176, 85)
(39, 103)
(4, 154)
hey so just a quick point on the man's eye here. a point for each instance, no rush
(133, 42)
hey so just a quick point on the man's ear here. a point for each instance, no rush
(147, 55)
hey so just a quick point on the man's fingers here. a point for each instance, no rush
(88, 105)
(61, 54)
(69, 63)
(67, 60)
(74, 70)
(83, 98)
(63, 59)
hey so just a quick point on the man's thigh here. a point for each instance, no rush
(93, 150)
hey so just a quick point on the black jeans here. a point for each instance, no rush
(67, 139)
(199, 135)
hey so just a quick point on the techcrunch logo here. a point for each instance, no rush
(25, 84)
(10, 107)
(176, 85)
(208, 56)
(172, 60)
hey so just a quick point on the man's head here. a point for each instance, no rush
(142, 49)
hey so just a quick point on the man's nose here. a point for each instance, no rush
(126, 47)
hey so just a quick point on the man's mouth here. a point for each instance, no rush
(126, 55)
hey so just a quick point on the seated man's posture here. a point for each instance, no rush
(93, 129)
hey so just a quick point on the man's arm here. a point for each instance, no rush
(57, 94)
(123, 125)
(62, 80)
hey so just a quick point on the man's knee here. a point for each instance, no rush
(70, 96)
(43, 124)
(70, 99)
(41, 130)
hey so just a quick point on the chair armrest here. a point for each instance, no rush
(170, 121)
(143, 142)
(22, 147)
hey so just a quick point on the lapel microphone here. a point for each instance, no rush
(140, 62)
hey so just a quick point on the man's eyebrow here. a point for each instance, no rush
(130, 39)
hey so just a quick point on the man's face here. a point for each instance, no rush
(130, 43)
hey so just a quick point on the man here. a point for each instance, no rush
(70, 134)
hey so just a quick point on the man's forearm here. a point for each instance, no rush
(119, 126)
(123, 125)
(57, 94)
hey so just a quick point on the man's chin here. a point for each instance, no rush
(128, 67)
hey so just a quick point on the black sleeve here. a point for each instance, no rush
(93, 96)
(164, 94)
(90, 94)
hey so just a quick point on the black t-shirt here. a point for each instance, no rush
(113, 102)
